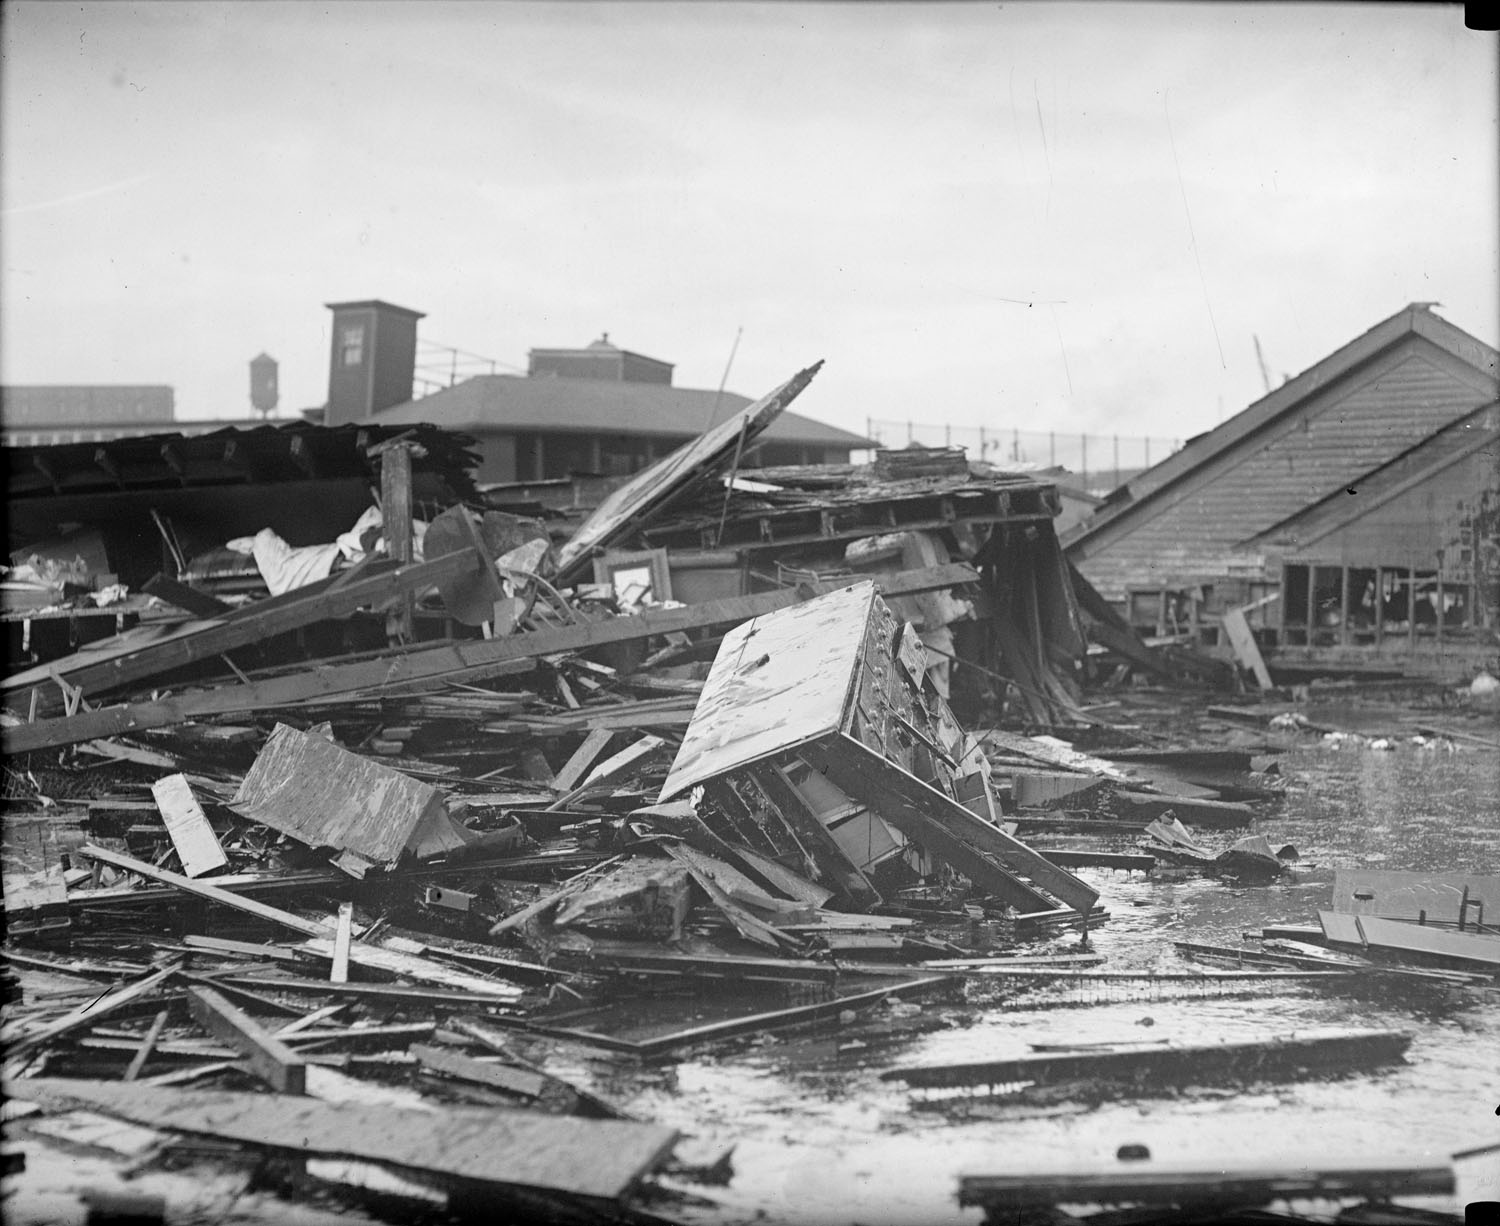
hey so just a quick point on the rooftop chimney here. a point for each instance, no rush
(373, 361)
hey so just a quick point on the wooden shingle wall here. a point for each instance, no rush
(1194, 530)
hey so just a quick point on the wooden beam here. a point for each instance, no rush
(201, 643)
(453, 662)
(271, 1060)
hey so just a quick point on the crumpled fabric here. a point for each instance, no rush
(286, 567)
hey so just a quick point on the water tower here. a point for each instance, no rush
(263, 393)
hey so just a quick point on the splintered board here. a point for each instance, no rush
(522, 1149)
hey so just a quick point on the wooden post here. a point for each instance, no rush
(1440, 609)
(1344, 611)
(341, 936)
(1411, 608)
(395, 503)
(1379, 606)
(1312, 604)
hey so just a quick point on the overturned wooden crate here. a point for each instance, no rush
(819, 742)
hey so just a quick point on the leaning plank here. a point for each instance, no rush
(611, 770)
(271, 1059)
(496, 1148)
(203, 889)
(452, 662)
(1161, 1064)
(646, 496)
(1242, 639)
(143, 1052)
(583, 757)
(197, 845)
(204, 641)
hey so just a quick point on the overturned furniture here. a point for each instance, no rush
(818, 742)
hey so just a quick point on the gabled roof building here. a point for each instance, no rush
(1356, 509)
(600, 409)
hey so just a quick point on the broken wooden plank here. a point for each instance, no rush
(499, 1149)
(583, 758)
(189, 599)
(273, 1061)
(143, 1052)
(1175, 1064)
(1246, 650)
(463, 661)
(646, 496)
(187, 825)
(203, 889)
(481, 1072)
(1213, 1190)
(611, 770)
(1210, 814)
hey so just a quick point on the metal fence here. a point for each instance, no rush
(1100, 460)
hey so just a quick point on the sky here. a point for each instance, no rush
(1038, 216)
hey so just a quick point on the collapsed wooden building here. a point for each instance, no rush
(1350, 519)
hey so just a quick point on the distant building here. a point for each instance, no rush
(599, 409)
(1356, 509)
(41, 414)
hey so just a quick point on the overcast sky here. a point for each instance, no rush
(1044, 216)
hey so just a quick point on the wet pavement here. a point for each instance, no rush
(819, 1138)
